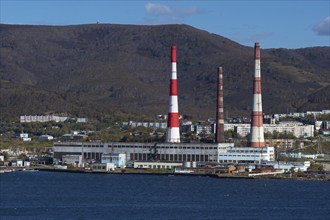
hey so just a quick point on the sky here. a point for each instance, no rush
(273, 23)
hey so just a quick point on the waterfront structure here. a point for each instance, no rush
(220, 120)
(169, 152)
(103, 167)
(156, 165)
(119, 160)
(174, 152)
(257, 132)
(287, 166)
(247, 155)
(173, 132)
(74, 160)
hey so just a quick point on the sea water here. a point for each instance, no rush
(59, 195)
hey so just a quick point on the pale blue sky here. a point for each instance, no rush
(275, 24)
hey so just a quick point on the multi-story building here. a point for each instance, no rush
(41, 118)
(246, 155)
(297, 129)
(170, 152)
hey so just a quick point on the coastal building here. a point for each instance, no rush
(246, 155)
(176, 152)
(173, 150)
(119, 160)
(287, 166)
(74, 160)
(165, 152)
(103, 167)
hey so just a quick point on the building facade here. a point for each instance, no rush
(176, 152)
(247, 155)
(41, 118)
(169, 152)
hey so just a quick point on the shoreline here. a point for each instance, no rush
(274, 176)
(220, 176)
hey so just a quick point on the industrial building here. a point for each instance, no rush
(119, 160)
(199, 152)
(296, 129)
(247, 155)
(156, 165)
(173, 150)
(176, 152)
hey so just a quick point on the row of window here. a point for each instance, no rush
(237, 161)
(155, 166)
(247, 151)
(170, 157)
(93, 146)
(99, 167)
(224, 155)
(147, 147)
(166, 147)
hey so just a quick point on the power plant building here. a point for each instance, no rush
(176, 152)
(173, 150)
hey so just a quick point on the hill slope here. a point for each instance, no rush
(90, 70)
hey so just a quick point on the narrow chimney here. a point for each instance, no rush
(257, 130)
(173, 132)
(219, 135)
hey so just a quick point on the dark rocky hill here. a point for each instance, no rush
(92, 70)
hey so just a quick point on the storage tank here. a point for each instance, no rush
(194, 164)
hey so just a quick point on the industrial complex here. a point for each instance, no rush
(172, 151)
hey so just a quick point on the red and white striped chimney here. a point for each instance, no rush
(257, 130)
(220, 133)
(173, 132)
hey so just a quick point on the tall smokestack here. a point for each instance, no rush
(173, 132)
(219, 135)
(257, 130)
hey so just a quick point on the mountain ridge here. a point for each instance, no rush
(99, 69)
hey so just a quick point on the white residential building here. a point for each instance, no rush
(41, 118)
(297, 129)
(24, 136)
